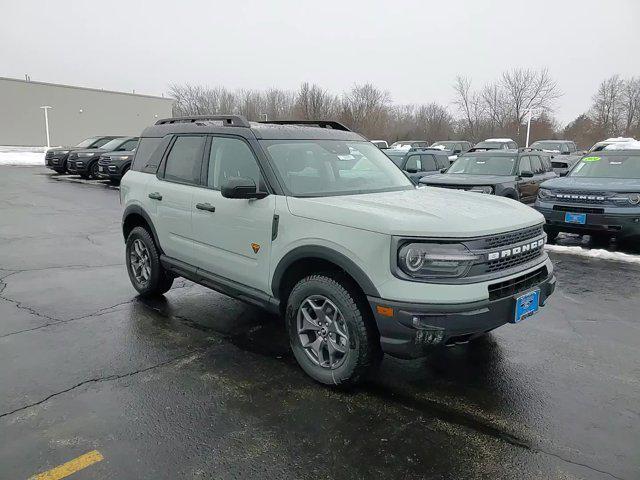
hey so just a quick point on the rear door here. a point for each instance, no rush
(232, 237)
(171, 193)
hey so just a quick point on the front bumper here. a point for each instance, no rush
(110, 171)
(57, 163)
(615, 224)
(413, 328)
(78, 165)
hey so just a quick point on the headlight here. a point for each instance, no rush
(432, 260)
(632, 198)
(63, 152)
(545, 194)
(124, 157)
(482, 189)
(86, 154)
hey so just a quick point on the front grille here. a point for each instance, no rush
(104, 161)
(454, 187)
(518, 284)
(580, 196)
(510, 262)
(510, 238)
(572, 209)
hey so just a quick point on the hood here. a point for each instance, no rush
(421, 212)
(593, 184)
(90, 150)
(465, 179)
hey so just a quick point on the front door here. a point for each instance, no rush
(232, 237)
(527, 185)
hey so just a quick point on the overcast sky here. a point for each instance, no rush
(413, 49)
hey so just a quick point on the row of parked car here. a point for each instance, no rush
(103, 157)
(598, 195)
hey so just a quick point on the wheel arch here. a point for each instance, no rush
(135, 216)
(315, 258)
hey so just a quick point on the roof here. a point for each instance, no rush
(493, 153)
(555, 141)
(239, 126)
(62, 85)
(503, 140)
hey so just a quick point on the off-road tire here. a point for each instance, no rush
(364, 343)
(160, 281)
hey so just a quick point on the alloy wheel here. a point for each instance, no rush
(140, 262)
(323, 332)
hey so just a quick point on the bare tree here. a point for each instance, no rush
(314, 103)
(526, 89)
(365, 109)
(607, 109)
(471, 106)
(630, 100)
(497, 106)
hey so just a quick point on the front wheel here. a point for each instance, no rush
(330, 330)
(93, 170)
(146, 273)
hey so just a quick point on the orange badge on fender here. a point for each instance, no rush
(256, 247)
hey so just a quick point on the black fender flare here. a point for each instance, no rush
(138, 210)
(323, 253)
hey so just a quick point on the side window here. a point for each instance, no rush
(536, 165)
(144, 160)
(564, 148)
(184, 161)
(458, 148)
(101, 142)
(413, 164)
(525, 165)
(128, 145)
(572, 147)
(231, 157)
(442, 161)
(428, 163)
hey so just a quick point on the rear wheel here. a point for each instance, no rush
(330, 330)
(146, 273)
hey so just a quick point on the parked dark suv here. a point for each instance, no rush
(564, 154)
(114, 165)
(458, 147)
(85, 162)
(600, 197)
(515, 174)
(419, 162)
(56, 158)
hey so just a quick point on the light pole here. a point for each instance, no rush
(46, 122)
(531, 111)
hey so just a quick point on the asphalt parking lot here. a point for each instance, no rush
(202, 386)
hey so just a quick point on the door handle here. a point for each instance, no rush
(205, 206)
(155, 196)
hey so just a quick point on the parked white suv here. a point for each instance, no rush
(312, 221)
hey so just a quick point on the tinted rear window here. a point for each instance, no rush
(145, 161)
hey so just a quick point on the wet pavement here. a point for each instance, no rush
(198, 385)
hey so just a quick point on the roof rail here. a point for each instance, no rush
(312, 123)
(228, 120)
(529, 149)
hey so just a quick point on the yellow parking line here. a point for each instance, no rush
(71, 467)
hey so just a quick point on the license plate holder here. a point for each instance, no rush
(579, 218)
(527, 305)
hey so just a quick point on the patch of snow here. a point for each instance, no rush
(594, 253)
(498, 140)
(630, 145)
(22, 156)
(618, 139)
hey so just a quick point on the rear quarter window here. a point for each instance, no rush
(145, 160)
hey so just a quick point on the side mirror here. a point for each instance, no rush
(526, 174)
(412, 170)
(456, 152)
(443, 170)
(241, 187)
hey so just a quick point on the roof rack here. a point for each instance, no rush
(529, 149)
(228, 120)
(312, 123)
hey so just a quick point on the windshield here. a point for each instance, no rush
(112, 144)
(489, 145)
(485, 165)
(316, 168)
(554, 146)
(608, 166)
(87, 142)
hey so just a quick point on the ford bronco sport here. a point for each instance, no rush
(315, 223)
